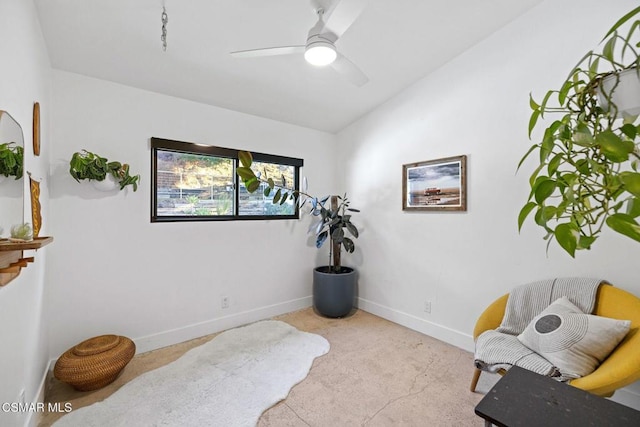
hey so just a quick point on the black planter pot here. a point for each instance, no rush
(334, 293)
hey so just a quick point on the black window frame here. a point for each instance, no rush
(230, 153)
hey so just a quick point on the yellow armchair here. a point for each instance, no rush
(621, 368)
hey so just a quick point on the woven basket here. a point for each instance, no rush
(94, 363)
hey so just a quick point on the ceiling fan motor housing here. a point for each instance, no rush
(320, 50)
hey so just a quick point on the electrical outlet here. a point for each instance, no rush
(224, 302)
(21, 397)
(427, 307)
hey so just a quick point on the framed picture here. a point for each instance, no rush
(435, 185)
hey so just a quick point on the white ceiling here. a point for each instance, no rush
(395, 42)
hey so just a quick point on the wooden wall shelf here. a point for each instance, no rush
(12, 258)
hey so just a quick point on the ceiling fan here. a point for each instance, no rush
(320, 49)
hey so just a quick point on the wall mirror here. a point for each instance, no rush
(11, 189)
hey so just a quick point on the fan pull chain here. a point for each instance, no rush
(165, 20)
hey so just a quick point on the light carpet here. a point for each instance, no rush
(228, 381)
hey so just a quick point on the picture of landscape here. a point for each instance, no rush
(435, 185)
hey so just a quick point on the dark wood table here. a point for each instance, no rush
(524, 398)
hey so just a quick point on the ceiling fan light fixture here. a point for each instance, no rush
(320, 53)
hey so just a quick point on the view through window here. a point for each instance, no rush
(196, 182)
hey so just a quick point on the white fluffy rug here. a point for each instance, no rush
(226, 382)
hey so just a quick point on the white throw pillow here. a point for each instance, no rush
(573, 341)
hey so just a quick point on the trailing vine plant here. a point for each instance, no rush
(87, 165)
(589, 157)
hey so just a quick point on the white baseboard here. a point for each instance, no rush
(448, 335)
(196, 330)
(33, 419)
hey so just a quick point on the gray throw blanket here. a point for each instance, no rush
(500, 348)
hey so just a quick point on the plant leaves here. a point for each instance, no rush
(267, 191)
(554, 163)
(564, 90)
(608, 49)
(337, 235)
(629, 130)
(245, 158)
(633, 207)
(245, 173)
(533, 120)
(543, 190)
(622, 21)
(624, 224)
(631, 181)
(566, 238)
(284, 198)
(352, 229)
(322, 237)
(547, 145)
(582, 136)
(524, 213)
(533, 147)
(533, 104)
(252, 185)
(582, 166)
(276, 197)
(348, 244)
(613, 147)
(585, 242)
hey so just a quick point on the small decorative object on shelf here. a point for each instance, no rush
(90, 166)
(21, 233)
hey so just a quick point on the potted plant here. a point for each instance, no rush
(334, 285)
(90, 166)
(587, 174)
(11, 160)
(21, 232)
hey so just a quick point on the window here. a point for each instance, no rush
(193, 182)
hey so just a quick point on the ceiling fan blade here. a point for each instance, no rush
(340, 18)
(349, 70)
(268, 51)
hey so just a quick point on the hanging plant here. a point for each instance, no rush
(90, 166)
(587, 177)
(11, 160)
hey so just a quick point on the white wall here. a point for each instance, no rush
(25, 77)
(112, 271)
(475, 105)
